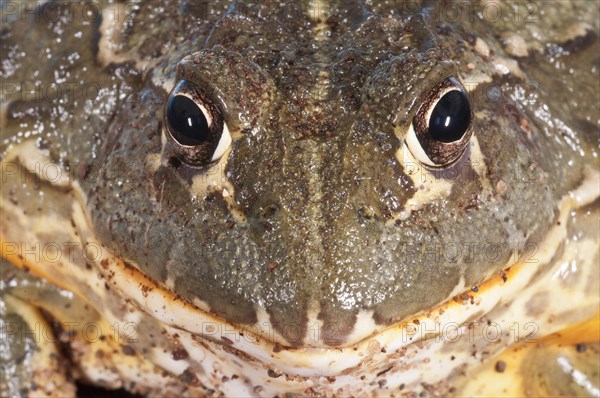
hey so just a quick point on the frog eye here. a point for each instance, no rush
(195, 126)
(441, 129)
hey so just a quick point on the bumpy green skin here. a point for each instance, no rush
(317, 123)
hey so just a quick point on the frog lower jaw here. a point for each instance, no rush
(433, 346)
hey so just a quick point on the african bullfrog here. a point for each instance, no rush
(318, 198)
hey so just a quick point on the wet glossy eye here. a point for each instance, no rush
(441, 129)
(187, 121)
(195, 126)
(450, 117)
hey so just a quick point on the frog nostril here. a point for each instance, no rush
(269, 210)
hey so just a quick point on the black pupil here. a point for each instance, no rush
(187, 121)
(450, 117)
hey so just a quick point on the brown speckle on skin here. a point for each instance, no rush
(273, 373)
(500, 366)
(189, 377)
(128, 350)
(145, 289)
(179, 353)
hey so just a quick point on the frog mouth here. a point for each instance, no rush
(438, 338)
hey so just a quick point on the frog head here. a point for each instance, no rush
(349, 171)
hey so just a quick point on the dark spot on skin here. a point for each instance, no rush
(189, 377)
(179, 353)
(270, 211)
(277, 348)
(581, 347)
(273, 373)
(475, 289)
(272, 265)
(174, 162)
(128, 350)
(500, 366)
